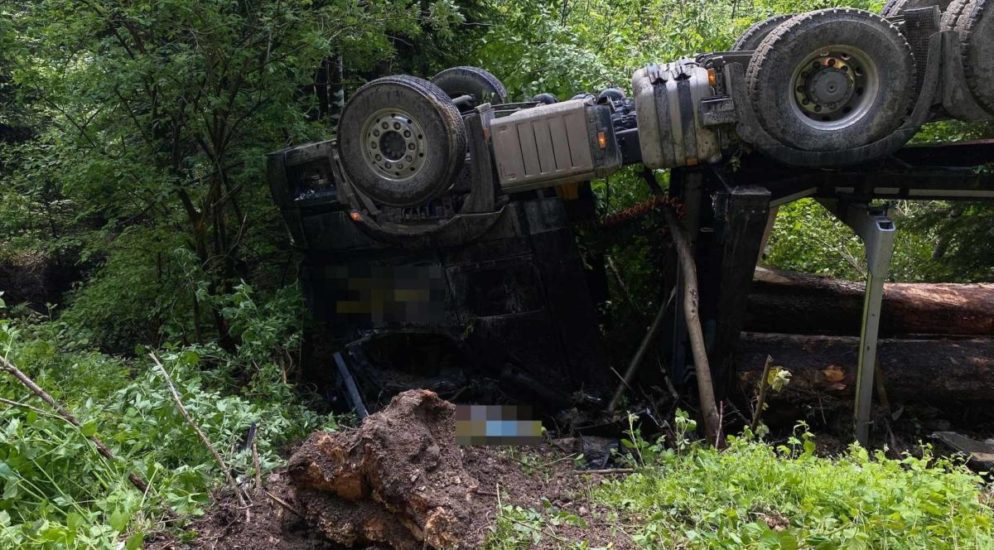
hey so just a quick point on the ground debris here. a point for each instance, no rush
(980, 452)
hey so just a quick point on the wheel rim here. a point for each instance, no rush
(833, 87)
(393, 144)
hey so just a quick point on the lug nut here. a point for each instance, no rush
(407, 133)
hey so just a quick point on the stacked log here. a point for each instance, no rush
(937, 340)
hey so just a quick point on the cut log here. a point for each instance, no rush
(794, 303)
(927, 371)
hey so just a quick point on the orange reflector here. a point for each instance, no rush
(355, 215)
(712, 77)
(602, 140)
(568, 191)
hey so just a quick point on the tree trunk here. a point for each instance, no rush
(794, 303)
(937, 371)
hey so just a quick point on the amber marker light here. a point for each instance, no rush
(712, 78)
(355, 215)
(602, 140)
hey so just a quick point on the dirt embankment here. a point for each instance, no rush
(400, 481)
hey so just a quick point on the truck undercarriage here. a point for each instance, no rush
(442, 210)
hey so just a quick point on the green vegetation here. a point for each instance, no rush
(756, 495)
(57, 492)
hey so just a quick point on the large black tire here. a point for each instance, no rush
(755, 34)
(832, 79)
(472, 81)
(895, 8)
(610, 94)
(974, 21)
(545, 98)
(401, 140)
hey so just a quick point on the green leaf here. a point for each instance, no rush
(119, 520)
(11, 490)
(89, 429)
(135, 541)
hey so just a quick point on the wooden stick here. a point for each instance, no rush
(29, 407)
(636, 361)
(105, 451)
(761, 399)
(255, 464)
(705, 387)
(624, 288)
(203, 438)
(284, 504)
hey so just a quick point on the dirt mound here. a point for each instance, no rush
(399, 479)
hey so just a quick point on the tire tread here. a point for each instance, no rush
(773, 45)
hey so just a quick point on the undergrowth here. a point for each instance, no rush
(754, 495)
(56, 491)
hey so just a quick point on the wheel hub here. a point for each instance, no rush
(829, 87)
(393, 144)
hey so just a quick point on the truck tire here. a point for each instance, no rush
(755, 34)
(894, 8)
(610, 94)
(974, 21)
(472, 81)
(401, 140)
(832, 79)
(545, 98)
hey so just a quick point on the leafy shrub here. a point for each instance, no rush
(56, 491)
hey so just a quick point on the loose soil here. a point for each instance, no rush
(400, 480)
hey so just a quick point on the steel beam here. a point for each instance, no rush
(875, 228)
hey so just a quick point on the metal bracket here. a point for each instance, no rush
(877, 231)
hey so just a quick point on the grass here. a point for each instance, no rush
(753, 495)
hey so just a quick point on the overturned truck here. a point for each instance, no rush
(441, 209)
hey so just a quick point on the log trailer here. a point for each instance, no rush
(441, 208)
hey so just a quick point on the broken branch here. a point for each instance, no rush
(705, 387)
(105, 451)
(761, 399)
(203, 438)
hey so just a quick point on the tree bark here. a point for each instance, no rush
(705, 388)
(938, 371)
(794, 303)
